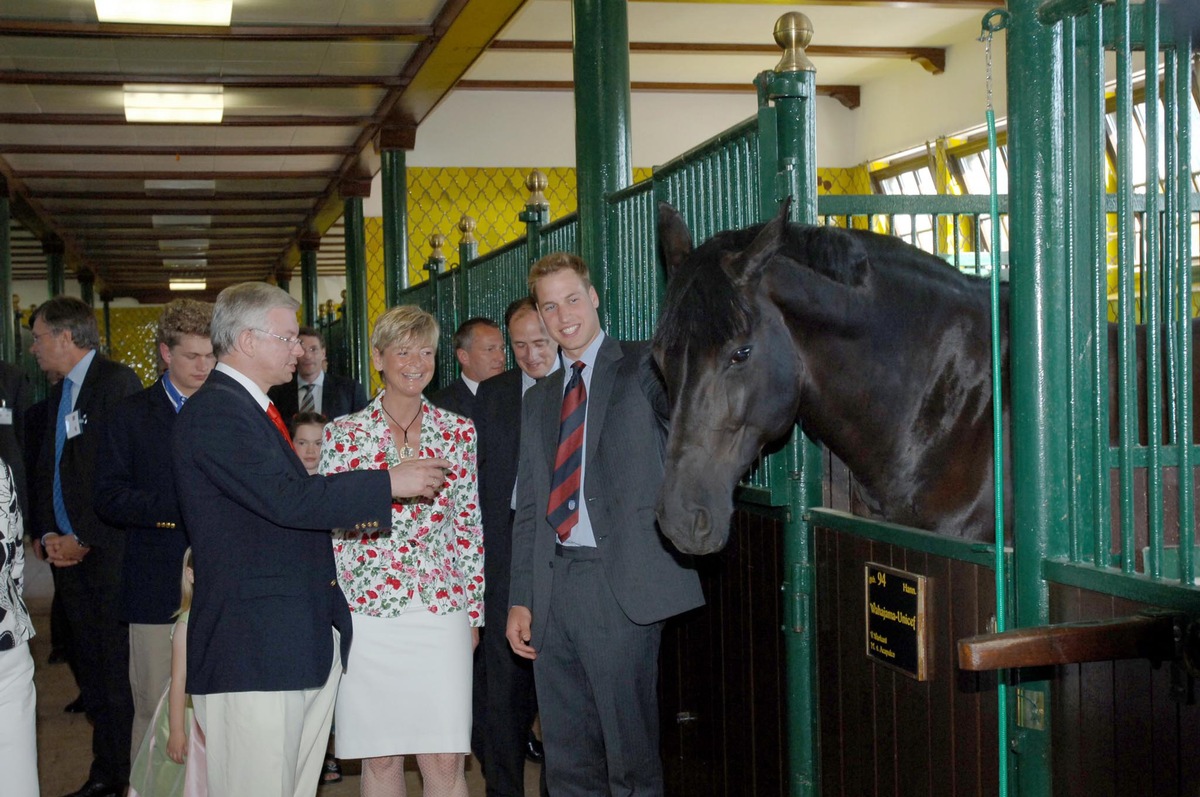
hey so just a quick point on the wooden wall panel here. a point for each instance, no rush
(882, 732)
(722, 674)
(1117, 727)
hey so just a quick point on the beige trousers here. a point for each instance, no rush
(149, 674)
(268, 744)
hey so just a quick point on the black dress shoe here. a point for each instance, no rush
(94, 788)
(76, 707)
(534, 752)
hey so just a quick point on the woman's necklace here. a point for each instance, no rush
(407, 452)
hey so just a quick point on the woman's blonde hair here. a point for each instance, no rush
(407, 322)
(185, 584)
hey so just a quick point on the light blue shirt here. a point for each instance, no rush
(77, 374)
(582, 535)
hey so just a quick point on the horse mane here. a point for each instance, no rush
(716, 311)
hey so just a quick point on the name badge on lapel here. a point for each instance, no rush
(74, 423)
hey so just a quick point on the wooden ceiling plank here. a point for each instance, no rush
(17, 77)
(183, 149)
(80, 120)
(253, 33)
(847, 95)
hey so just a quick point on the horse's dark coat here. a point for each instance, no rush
(877, 349)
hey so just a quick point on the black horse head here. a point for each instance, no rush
(875, 348)
(723, 352)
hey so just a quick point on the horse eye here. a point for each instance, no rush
(741, 355)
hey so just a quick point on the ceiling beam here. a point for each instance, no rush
(932, 59)
(168, 197)
(156, 208)
(76, 119)
(849, 96)
(260, 33)
(18, 77)
(175, 175)
(182, 149)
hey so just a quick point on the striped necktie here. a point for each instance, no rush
(308, 403)
(563, 508)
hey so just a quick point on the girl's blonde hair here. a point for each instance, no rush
(185, 584)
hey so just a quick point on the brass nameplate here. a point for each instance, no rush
(896, 633)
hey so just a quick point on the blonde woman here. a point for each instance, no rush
(415, 590)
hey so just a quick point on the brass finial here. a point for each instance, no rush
(436, 242)
(793, 32)
(536, 184)
(327, 308)
(466, 225)
(16, 300)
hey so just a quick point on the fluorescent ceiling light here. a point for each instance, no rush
(168, 220)
(174, 104)
(166, 12)
(185, 262)
(195, 186)
(188, 284)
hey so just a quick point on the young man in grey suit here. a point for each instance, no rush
(592, 577)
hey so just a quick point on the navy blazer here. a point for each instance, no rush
(135, 491)
(457, 398)
(623, 469)
(340, 395)
(104, 384)
(498, 426)
(267, 595)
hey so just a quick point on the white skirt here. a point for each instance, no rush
(407, 686)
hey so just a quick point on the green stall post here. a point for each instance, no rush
(87, 288)
(310, 309)
(55, 251)
(1039, 362)
(393, 143)
(468, 250)
(8, 341)
(602, 139)
(536, 214)
(355, 316)
(787, 129)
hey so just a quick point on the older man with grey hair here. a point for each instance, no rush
(269, 630)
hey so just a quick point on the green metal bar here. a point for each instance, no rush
(794, 97)
(1152, 296)
(308, 282)
(602, 136)
(1126, 340)
(1101, 514)
(972, 551)
(1038, 358)
(394, 171)
(355, 317)
(1166, 594)
(1073, 177)
(8, 341)
(1187, 514)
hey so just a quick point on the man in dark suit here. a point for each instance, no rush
(263, 649)
(509, 704)
(136, 492)
(314, 389)
(479, 348)
(15, 397)
(592, 577)
(86, 550)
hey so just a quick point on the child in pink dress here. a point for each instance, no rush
(170, 762)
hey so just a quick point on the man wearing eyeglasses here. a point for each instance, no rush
(314, 389)
(269, 629)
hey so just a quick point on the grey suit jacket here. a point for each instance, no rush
(622, 473)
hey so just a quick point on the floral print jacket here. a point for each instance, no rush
(15, 626)
(433, 553)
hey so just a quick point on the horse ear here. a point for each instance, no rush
(674, 238)
(770, 239)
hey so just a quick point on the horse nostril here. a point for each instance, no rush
(701, 524)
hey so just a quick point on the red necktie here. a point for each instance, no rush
(563, 508)
(277, 419)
